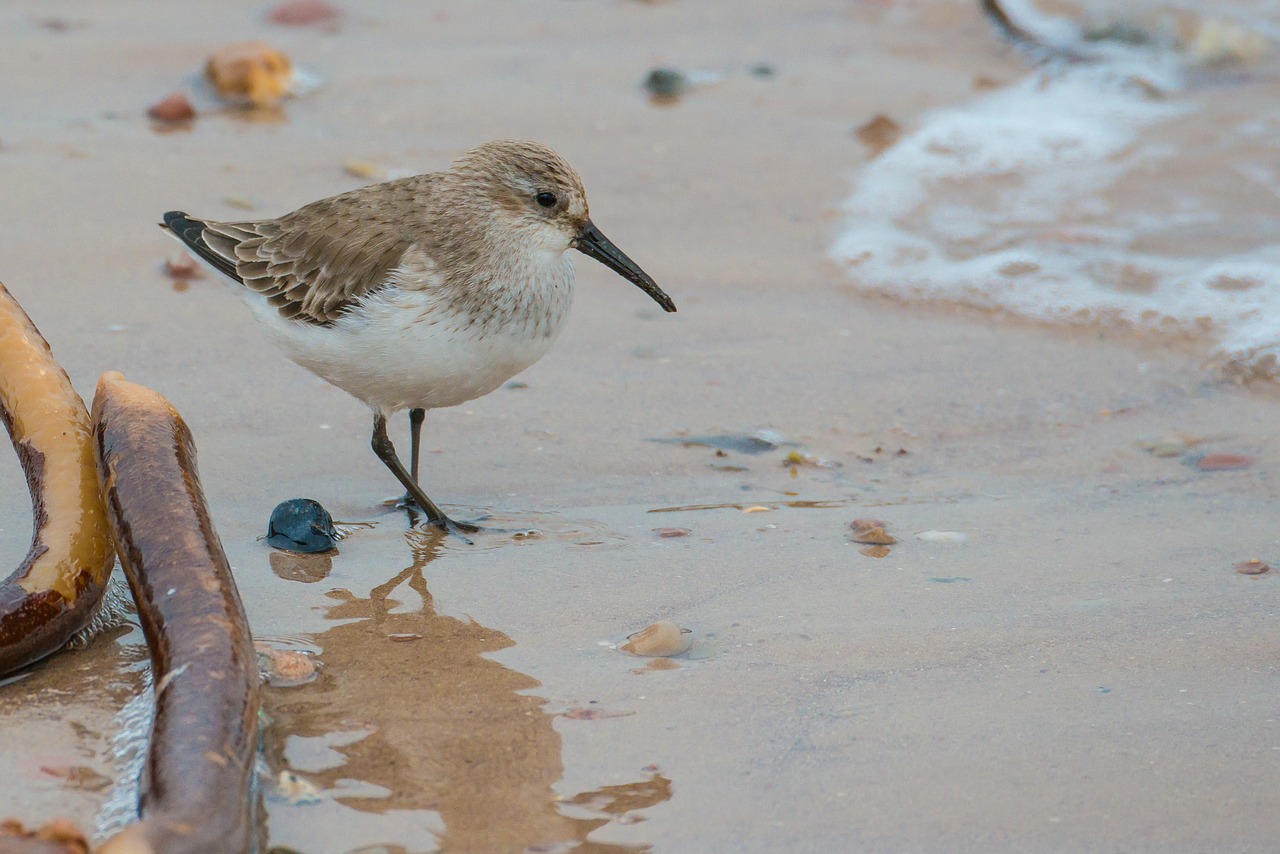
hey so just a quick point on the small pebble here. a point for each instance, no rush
(285, 668)
(182, 266)
(1165, 446)
(879, 133)
(664, 638)
(301, 525)
(671, 533)
(1224, 462)
(1252, 567)
(666, 85)
(175, 107)
(364, 169)
(301, 13)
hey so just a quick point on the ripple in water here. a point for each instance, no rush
(523, 530)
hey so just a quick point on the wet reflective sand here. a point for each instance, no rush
(1085, 670)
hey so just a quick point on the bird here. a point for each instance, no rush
(421, 292)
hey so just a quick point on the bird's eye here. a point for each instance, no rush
(547, 200)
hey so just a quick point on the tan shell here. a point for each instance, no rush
(876, 536)
(663, 638)
(250, 73)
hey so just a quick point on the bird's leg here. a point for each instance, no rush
(415, 440)
(416, 417)
(387, 453)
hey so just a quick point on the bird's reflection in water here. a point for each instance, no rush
(449, 730)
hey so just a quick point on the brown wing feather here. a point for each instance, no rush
(312, 264)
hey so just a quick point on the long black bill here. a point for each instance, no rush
(591, 242)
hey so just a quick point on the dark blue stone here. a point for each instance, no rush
(301, 525)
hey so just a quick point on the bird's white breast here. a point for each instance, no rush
(402, 348)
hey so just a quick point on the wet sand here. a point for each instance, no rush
(1084, 672)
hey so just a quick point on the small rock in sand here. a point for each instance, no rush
(302, 13)
(285, 668)
(301, 525)
(180, 265)
(879, 133)
(1252, 567)
(174, 107)
(666, 85)
(1224, 462)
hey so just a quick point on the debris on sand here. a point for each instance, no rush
(871, 532)
(304, 13)
(57, 837)
(296, 790)
(174, 107)
(182, 266)
(795, 459)
(759, 442)
(1166, 446)
(364, 169)
(1218, 43)
(250, 74)
(1224, 462)
(1252, 567)
(875, 551)
(879, 133)
(666, 85)
(671, 533)
(943, 536)
(285, 668)
(664, 639)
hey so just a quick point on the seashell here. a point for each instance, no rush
(663, 638)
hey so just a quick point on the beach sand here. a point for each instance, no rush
(1084, 671)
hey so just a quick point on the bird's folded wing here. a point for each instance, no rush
(315, 262)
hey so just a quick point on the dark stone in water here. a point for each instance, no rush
(666, 83)
(301, 525)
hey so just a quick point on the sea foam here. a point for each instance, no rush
(1086, 193)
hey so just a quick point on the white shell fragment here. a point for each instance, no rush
(664, 638)
(943, 536)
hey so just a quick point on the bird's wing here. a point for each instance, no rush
(312, 264)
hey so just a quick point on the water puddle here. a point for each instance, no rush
(413, 733)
